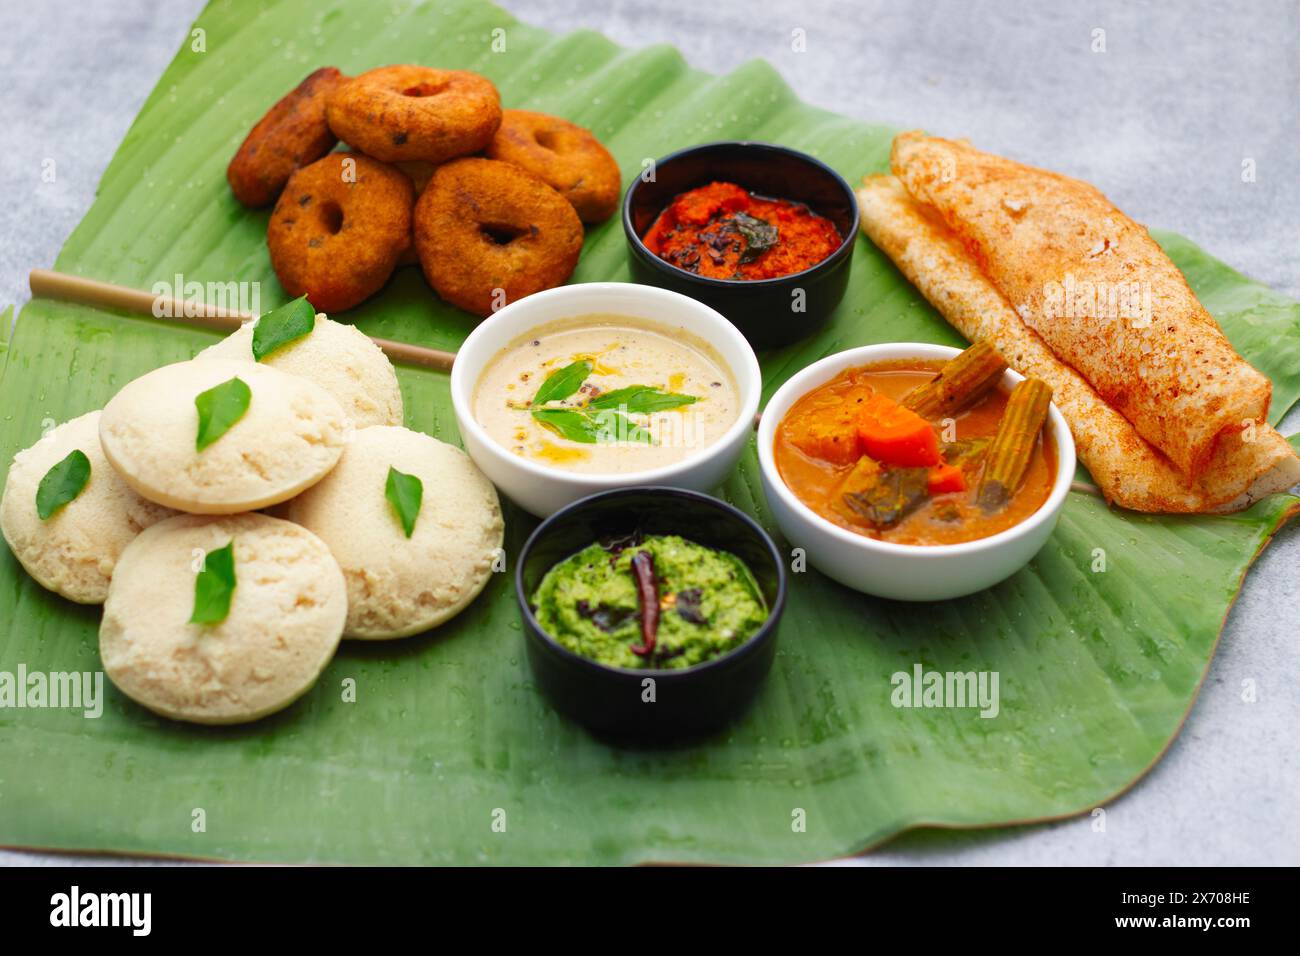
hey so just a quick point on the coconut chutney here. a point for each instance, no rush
(606, 394)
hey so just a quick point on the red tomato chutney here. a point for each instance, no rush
(722, 231)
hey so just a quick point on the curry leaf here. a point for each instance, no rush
(759, 235)
(405, 493)
(214, 586)
(614, 426)
(897, 493)
(219, 408)
(641, 400)
(688, 606)
(963, 451)
(62, 483)
(568, 423)
(590, 427)
(281, 326)
(562, 383)
(607, 617)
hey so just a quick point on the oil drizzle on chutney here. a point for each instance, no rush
(722, 231)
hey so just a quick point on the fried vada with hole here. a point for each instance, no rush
(339, 229)
(399, 113)
(292, 134)
(488, 233)
(565, 156)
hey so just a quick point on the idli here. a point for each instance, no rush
(221, 436)
(284, 621)
(337, 357)
(398, 584)
(91, 513)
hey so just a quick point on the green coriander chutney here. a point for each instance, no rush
(708, 603)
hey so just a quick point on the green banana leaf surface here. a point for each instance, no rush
(448, 754)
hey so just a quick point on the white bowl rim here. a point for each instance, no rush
(462, 387)
(808, 378)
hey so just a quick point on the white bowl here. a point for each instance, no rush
(543, 490)
(904, 572)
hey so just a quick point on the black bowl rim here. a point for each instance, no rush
(755, 639)
(845, 248)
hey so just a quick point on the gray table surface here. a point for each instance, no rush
(1161, 120)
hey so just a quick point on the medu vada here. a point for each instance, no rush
(489, 233)
(565, 156)
(397, 113)
(339, 229)
(292, 134)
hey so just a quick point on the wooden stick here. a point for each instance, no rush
(46, 283)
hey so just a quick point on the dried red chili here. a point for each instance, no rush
(647, 591)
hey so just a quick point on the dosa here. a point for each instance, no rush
(1098, 290)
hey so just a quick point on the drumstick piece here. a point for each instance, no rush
(46, 283)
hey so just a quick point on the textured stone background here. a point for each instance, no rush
(1161, 121)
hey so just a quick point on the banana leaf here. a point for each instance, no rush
(448, 754)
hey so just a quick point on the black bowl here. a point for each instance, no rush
(763, 309)
(687, 702)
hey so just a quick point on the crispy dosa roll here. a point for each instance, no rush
(1098, 290)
